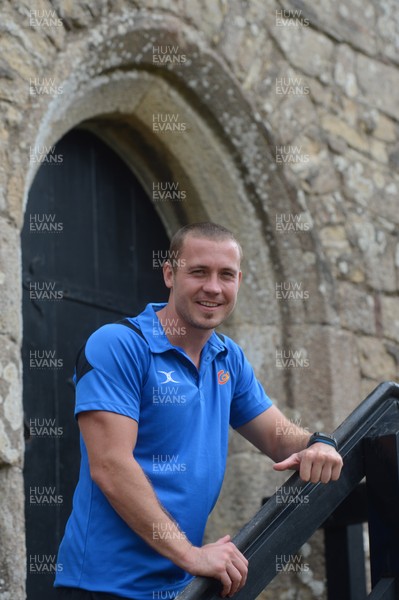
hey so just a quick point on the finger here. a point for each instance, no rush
(241, 563)
(242, 566)
(305, 467)
(325, 476)
(315, 472)
(289, 463)
(226, 583)
(223, 540)
(237, 552)
(336, 470)
(235, 578)
(283, 465)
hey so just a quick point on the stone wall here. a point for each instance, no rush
(293, 143)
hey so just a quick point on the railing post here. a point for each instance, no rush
(382, 478)
(344, 548)
(345, 556)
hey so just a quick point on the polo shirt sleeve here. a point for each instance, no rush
(249, 398)
(110, 372)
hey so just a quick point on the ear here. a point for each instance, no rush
(168, 274)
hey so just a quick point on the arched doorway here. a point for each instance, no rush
(88, 245)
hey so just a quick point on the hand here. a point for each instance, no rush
(221, 560)
(319, 462)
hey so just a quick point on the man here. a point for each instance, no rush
(154, 398)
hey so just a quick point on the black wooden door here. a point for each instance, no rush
(87, 244)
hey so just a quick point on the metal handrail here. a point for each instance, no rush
(281, 528)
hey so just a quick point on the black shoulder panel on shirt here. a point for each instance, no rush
(131, 326)
(82, 364)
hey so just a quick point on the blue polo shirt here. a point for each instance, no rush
(183, 415)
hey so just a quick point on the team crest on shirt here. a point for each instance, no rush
(168, 377)
(223, 377)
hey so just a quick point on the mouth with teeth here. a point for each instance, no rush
(209, 305)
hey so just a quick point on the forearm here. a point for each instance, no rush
(275, 435)
(291, 439)
(131, 494)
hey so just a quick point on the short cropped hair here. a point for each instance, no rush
(207, 230)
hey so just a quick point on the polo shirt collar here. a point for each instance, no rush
(158, 342)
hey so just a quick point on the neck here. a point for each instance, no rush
(191, 339)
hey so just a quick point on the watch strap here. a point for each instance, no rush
(324, 438)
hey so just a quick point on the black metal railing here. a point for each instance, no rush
(369, 444)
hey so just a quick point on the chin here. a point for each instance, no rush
(205, 323)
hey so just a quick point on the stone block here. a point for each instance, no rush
(11, 415)
(345, 375)
(377, 249)
(356, 309)
(380, 270)
(376, 362)
(386, 129)
(345, 70)
(206, 15)
(10, 281)
(323, 374)
(259, 342)
(378, 84)
(390, 317)
(306, 49)
(12, 547)
(337, 127)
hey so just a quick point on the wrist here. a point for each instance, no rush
(324, 438)
(188, 558)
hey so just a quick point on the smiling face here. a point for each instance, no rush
(204, 285)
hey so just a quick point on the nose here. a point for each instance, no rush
(212, 285)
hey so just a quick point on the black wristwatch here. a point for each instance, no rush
(325, 438)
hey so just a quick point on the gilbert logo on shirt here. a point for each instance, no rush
(223, 377)
(168, 377)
